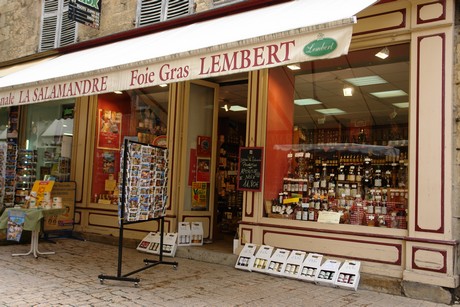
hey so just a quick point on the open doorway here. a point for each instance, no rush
(233, 95)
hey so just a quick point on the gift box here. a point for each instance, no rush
(196, 233)
(246, 257)
(262, 258)
(327, 274)
(294, 264)
(184, 234)
(310, 267)
(348, 275)
(277, 262)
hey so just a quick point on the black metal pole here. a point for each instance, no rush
(122, 209)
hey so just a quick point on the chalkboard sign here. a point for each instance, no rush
(250, 169)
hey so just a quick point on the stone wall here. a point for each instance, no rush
(19, 35)
(116, 16)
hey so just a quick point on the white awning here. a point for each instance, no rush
(292, 32)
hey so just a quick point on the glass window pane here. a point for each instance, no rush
(49, 131)
(343, 134)
(138, 114)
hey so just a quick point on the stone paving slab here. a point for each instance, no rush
(70, 278)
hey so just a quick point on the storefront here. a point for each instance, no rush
(344, 135)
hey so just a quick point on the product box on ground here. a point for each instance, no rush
(150, 243)
(184, 234)
(261, 259)
(245, 260)
(310, 267)
(328, 273)
(277, 261)
(196, 233)
(169, 244)
(348, 275)
(294, 264)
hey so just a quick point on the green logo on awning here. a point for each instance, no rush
(321, 46)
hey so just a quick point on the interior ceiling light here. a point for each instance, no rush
(401, 105)
(294, 66)
(383, 54)
(330, 111)
(363, 81)
(237, 108)
(306, 102)
(347, 91)
(389, 94)
(163, 85)
(118, 92)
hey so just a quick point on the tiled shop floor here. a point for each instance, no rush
(70, 278)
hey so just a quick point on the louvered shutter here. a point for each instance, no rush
(153, 11)
(57, 30)
(177, 8)
(68, 33)
(149, 11)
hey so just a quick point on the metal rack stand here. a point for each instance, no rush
(148, 263)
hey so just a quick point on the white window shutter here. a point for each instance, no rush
(154, 11)
(177, 8)
(56, 30)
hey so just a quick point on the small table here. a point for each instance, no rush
(33, 219)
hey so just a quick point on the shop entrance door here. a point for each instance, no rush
(199, 143)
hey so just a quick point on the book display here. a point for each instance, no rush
(3, 148)
(143, 187)
(299, 265)
(25, 176)
(10, 174)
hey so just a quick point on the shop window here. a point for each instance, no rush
(49, 133)
(139, 115)
(56, 28)
(340, 126)
(153, 11)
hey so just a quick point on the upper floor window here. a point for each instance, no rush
(56, 27)
(153, 11)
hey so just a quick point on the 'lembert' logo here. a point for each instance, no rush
(320, 46)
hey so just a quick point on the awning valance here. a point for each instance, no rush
(292, 32)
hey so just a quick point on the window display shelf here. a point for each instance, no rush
(364, 184)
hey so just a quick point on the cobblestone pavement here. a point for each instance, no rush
(70, 278)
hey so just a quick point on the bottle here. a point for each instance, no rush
(323, 179)
(378, 178)
(341, 175)
(351, 173)
(332, 182)
(305, 211)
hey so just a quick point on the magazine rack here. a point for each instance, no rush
(129, 217)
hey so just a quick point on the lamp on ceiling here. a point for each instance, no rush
(383, 54)
(347, 91)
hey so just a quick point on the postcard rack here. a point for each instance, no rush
(143, 168)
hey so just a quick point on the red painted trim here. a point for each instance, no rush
(400, 26)
(442, 136)
(442, 17)
(354, 233)
(173, 23)
(442, 252)
(167, 223)
(397, 246)
(250, 236)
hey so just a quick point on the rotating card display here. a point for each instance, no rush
(145, 186)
